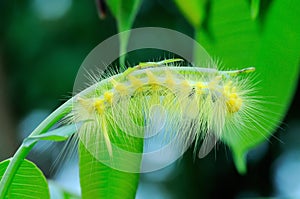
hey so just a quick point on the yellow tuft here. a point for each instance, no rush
(185, 84)
(153, 81)
(108, 97)
(199, 87)
(135, 82)
(121, 88)
(233, 89)
(169, 79)
(234, 103)
(227, 87)
(151, 77)
(99, 106)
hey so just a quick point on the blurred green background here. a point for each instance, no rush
(42, 45)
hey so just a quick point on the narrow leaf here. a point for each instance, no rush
(194, 11)
(124, 11)
(59, 134)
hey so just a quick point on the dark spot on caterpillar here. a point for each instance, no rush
(192, 93)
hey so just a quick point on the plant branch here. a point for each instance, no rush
(23, 150)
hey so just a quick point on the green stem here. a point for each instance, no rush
(13, 166)
(23, 150)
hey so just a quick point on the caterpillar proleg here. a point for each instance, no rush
(187, 103)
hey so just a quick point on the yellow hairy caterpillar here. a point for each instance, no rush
(189, 103)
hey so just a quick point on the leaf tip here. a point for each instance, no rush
(240, 162)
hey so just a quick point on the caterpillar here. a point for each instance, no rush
(187, 103)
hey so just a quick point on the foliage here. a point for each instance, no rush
(239, 33)
(237, 40)
(29, 182)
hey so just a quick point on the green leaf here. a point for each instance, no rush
(97, 179)
(271, 45)
(57, 135)
(101, 181)
(194, 11)
(124, 11)
(28, 182)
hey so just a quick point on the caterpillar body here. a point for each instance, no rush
(189, 103)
